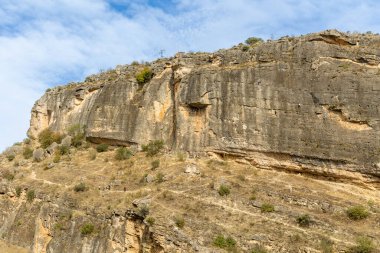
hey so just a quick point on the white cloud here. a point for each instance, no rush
(47, 42)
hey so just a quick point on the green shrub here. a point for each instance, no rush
(143, 211)
(363, 245)
(144, 76)
(123, 153)
(150, 221)
(267, 208)
(245, 48)
(327, 246)
(153, 147)
(59, 226)
(87, 229)
(11, 157)
(30, 195)
(92, 154)
(102, 148)
(224, 190)
(304, 220)
(26, 141)
(227, 243)
(259, 249)
(47, 137)
(181, 156)
(57, 157)
(63, 150)
(253, 40)
(155, 164)
(81, 187)
(74, 130)
(18, 191)
(77, 133)
(160, 177)
(357, 212)
(27, 152)
(179, 222)
(8, 175)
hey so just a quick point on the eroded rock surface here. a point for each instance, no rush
(310, 100)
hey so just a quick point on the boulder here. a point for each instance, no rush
(51, 149)
(67, 141)
(39, 154)
(192, 169)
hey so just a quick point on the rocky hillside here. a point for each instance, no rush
(267, 147)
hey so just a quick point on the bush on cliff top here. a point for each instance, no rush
(253, 40)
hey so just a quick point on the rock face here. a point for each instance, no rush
(311, 100)
(34, 227)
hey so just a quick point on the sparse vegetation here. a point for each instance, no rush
(160, 177)
(92, 154)
(304, 220)
(144, 76)
(357, 212)
(150, 220)
(81, 187)
(123, 153)
(59, 226)
(259, 249)
(245, 48)
(224, 190)
(327, 245)
(179, 221)
(253, 40)
(87, 229)
(363, 245)
(47, 137)
(57, 157)
(30, 195)
(102, 148)
(267, 208)
(8, 175)
(153, 147)
(181, 156)
(27, 141)
(155, 164)
(227, 243)
(18, 191)
(27, 153)
(63, 150)
(78, 135)
(143, 211)
(11, 157)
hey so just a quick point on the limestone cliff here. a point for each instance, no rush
(308, 103)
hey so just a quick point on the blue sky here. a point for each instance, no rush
(44, 43)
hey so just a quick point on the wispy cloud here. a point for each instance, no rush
(49, 42)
